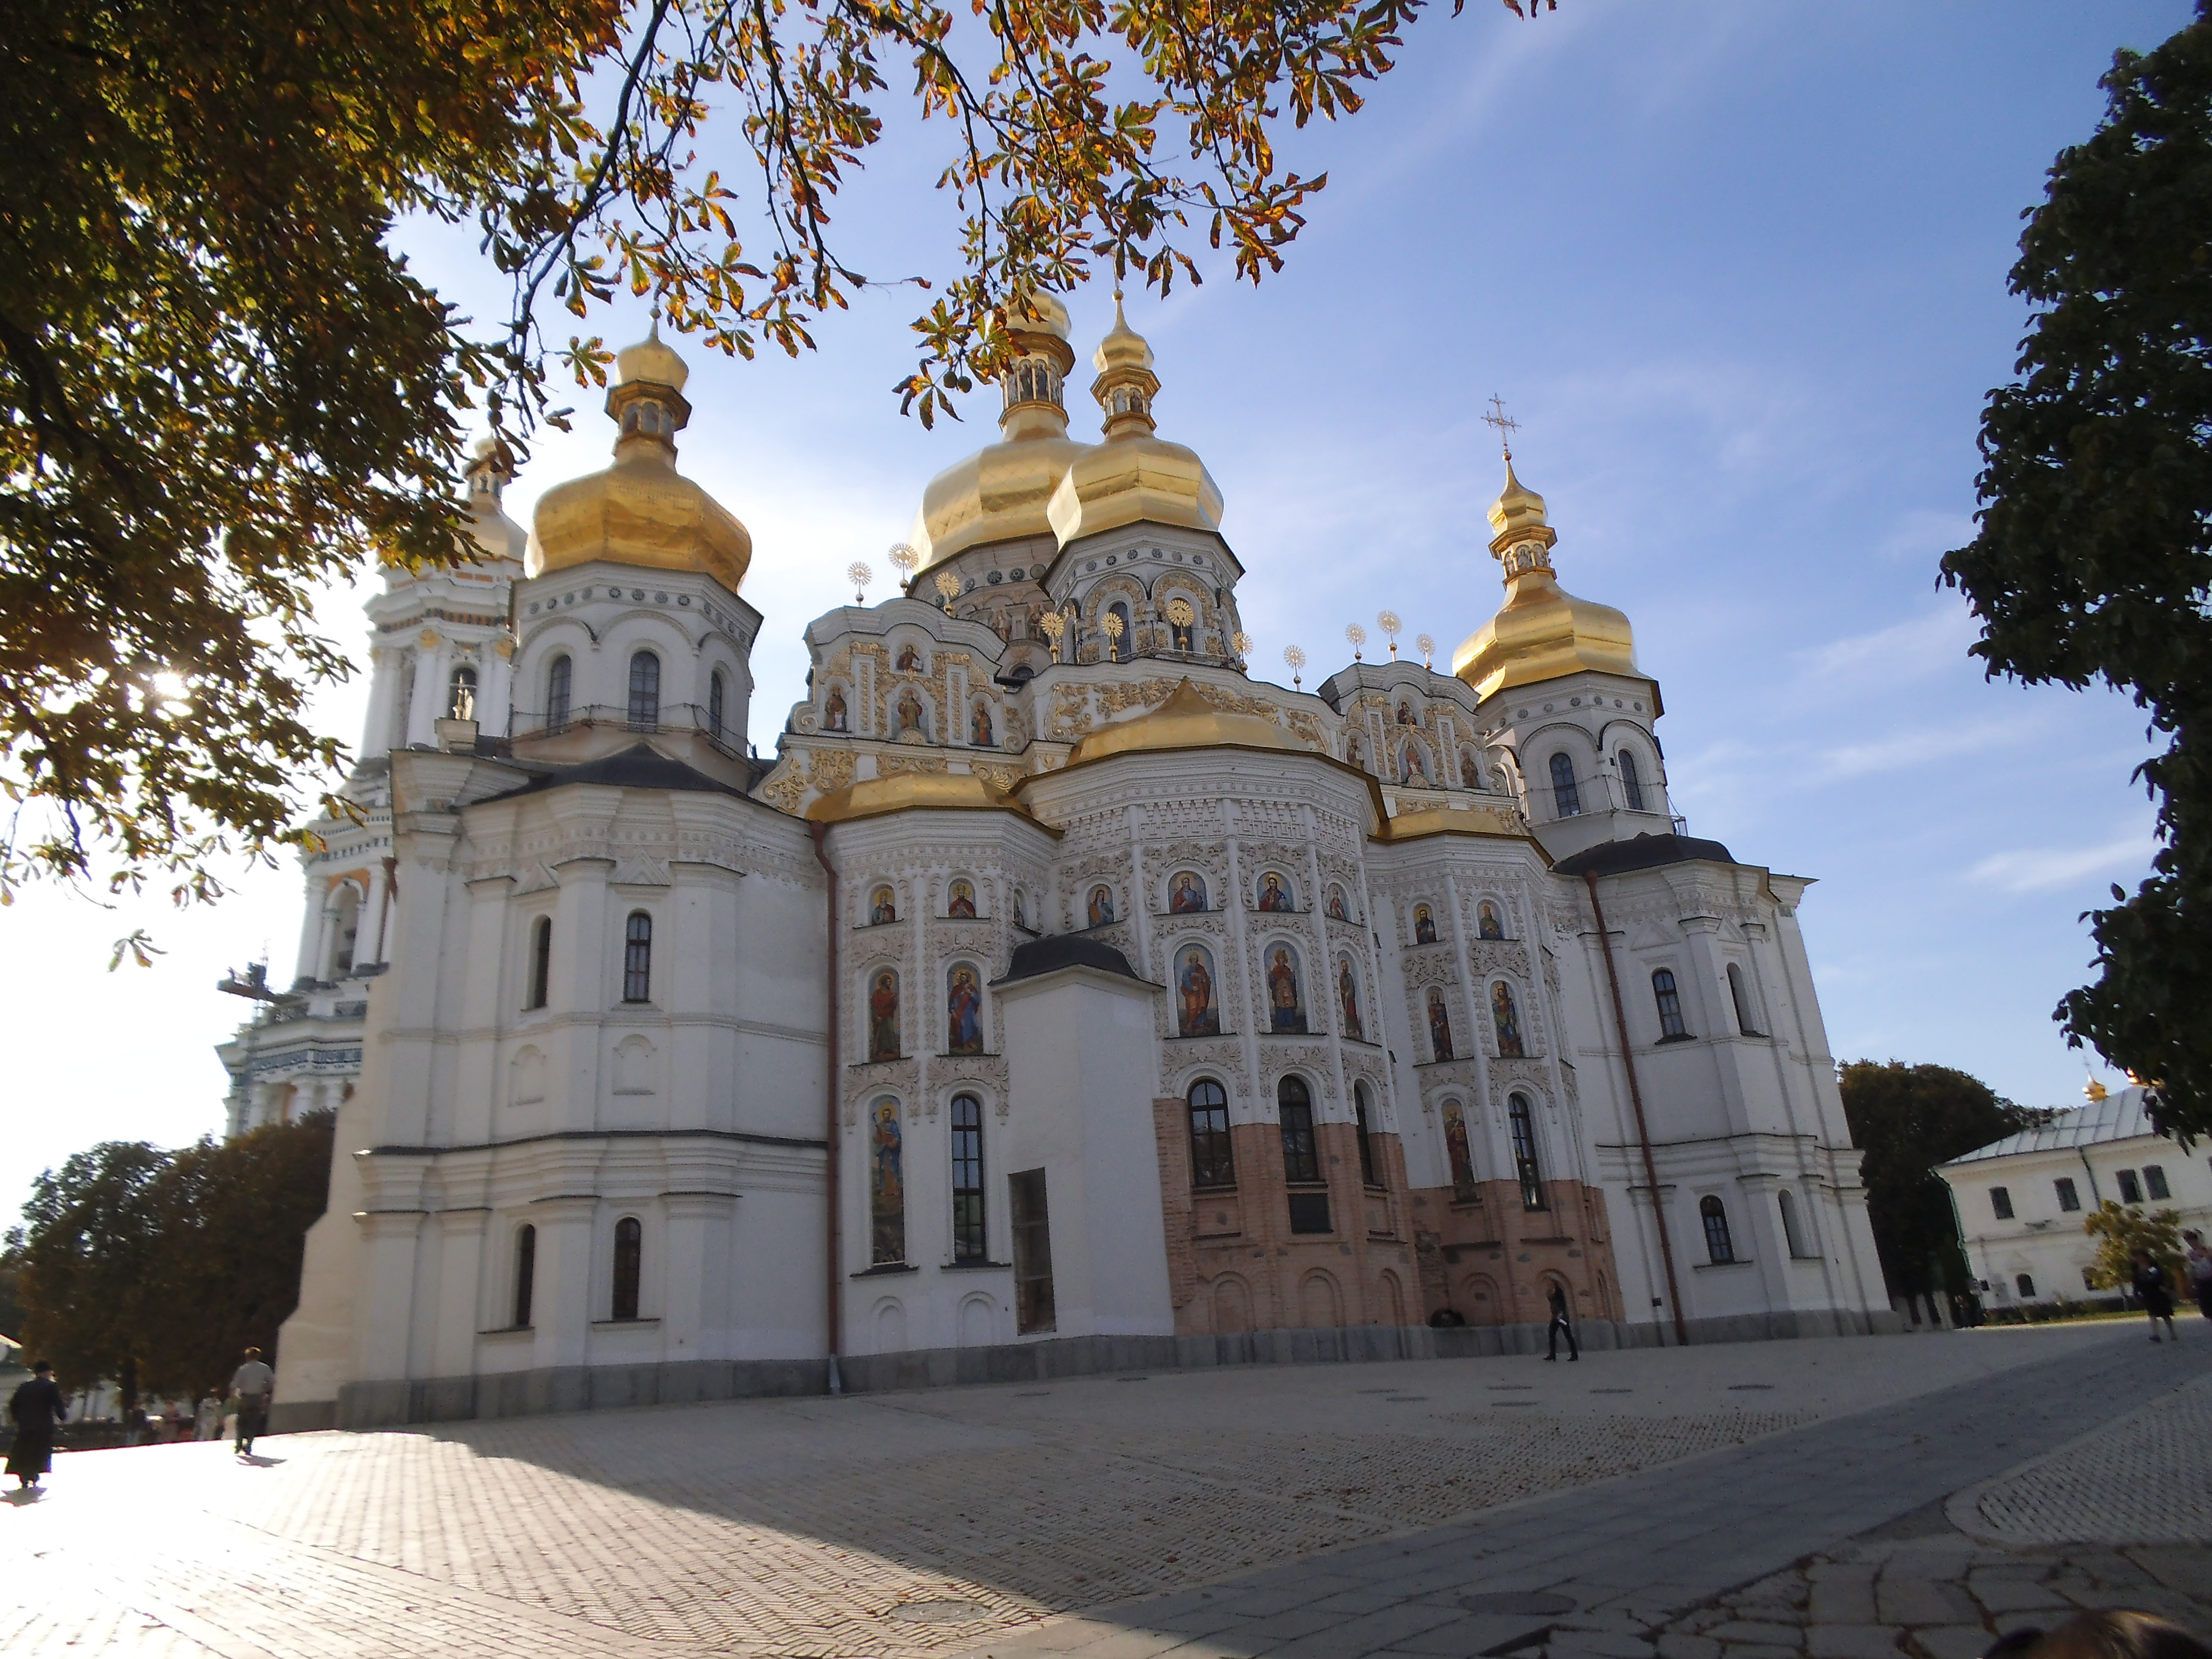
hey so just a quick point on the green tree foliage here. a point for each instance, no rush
(2094, 560)
(156, 1269)
(1906, 1120)
(2120, 1231)
(219, 385)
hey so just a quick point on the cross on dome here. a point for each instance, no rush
(1506, 426)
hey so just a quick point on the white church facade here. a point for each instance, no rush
(1059, 998)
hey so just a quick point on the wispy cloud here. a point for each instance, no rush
(1919, 645)
(1897, 751)
(2041, 869)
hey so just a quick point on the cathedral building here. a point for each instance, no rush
(1059, 997)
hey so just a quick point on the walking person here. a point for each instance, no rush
(37, 1409)
(2200, 1271)
(2157, 1294)
(1560, 1324)
(253, 1384)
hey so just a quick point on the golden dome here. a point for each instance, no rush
(1133, 475)
(642, 511)
(1185, 720)
(954, 792)
(1541, 631)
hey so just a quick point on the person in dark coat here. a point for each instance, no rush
(37, 1409)
(1560, 1322)
(2157, 1293)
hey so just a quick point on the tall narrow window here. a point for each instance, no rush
(1367, 1174)
(541, 965)
(2001, 1203)
(2025, 1286)
(629, 1261)
(461, 694)
(1791, 1234)
(714, 705)
(1714, 1214)
(1669, 999)
(645, 691)
(1123, 644)
(2155, 1182)
(1301, 1159)
(1631, 781)
(1740, 993)
(968, 1244)
(525, 1275)
(1033, 1303)
(637, 958)
(2069, 1197)
(1211, 1163)
(558, 676)
(1566, 796)
(1526, 1167)
(2131, 1188)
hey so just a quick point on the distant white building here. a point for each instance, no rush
(2020, 1201)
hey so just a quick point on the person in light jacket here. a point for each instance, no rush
(253, 1384)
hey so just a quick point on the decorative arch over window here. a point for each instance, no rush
(1370, 1171)
(963, 1010)
(1286, 1002)
(1301, 1155)
(461, 694)
(1213, 1162)
(1740, 994)
(644, 691)
(630, 1266)
(1197, 1010)
(886, 1184)
(525, 1275)
(1566, 794)
(1527, 1166)
(968, 1232)
(714, 698)
(559, 676)
(1669, 1000)
(1719, 1249)
(541, 963)
(1460, 1153)
(637, 958)
(1506, 1016)
(1631, 781)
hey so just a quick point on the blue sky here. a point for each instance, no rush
(1738, 269)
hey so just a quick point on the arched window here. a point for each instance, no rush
(1631, 781)
(1367, 1170)
(967, 1179)
(1740, 993)
(637, 958)
(1123, 644)
(1714, 1214)
(560, 674)
(1211, 1162)
(1670, 1006)
(714, 705)
(525, 1275)
(645, 690)
(1526, 1168)
(629, 1259)
(461, 694)
(2026, 1287)
(541, 971)
(1301, 1157)
(1791, 1236)
(1566, 797)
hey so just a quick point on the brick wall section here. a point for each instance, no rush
(1172, 1127)
(1492, 1259)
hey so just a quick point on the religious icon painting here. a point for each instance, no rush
(1470, 769)
(1337, 912)
(1100, 908)
(1462, 1157)
(909, 660)
(883, 1017)
(1286, 1002)
(1411, 767)
(1351, 756)
(833, 710)
(886, 1185)
(963, 1013)
(979, 729)
(1186, 893)
(1348, 998)
(1424, 924)
(1021, 909)
(1486, 923)
(1197, 1013)
(960, 900)
(1440, 1036)
(1406, 713)
(910, 714)
(1276, 894)
(883, 907)
(1507, 1018)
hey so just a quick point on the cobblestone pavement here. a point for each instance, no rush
(940, 1522)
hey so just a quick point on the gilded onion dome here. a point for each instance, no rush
(1541, 631)
(1185, 720)
(642, 511)
(491, 466)
(1134, 475)
(1001, 492)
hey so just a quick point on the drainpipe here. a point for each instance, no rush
(2095, 1196)
(821, 833)
(1635, 1099)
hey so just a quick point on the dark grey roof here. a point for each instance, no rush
(1614, 858)
(1059, 951)
(640, 766)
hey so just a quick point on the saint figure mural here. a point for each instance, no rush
(1508, 1020)
(1336, 911)
(1470, 769)
(1351, 753)
(1186, 893)
(1486, 920)
(909, 660)
(1101, 907)
(1274, 894)
(883, 907)
(886, 1186)
(1348, 997)
(1462, 1159)
(1424, 924)
(979, 730)
(1412, 766)
(833, 711)
(883, 1017)
(1440, 1025)
(1287, 1003)
(1021, 909)
(963, 1013)
(1196, 1014)
(909, 713)
(961, 901)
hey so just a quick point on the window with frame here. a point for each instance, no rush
(541, 963)
(1566, 794)
(1631, 781)
(1301, 1156)
(629, 1265)
(525, 1275)
(2069, 1199)
(461, 694)
(637, 958)
(2025, 1286)
(1792, 1239)
(1122, 645)
(968, 1234)
(2131, 1188)
(1740, 994)
(1720, 1249)
(1521, 1119)
(560, 675)
(1669, 999)
(2154, 1181)
(644, 691)
(714, 696)
(1212, 1163)
(1369, 1175)
(2001, 1203)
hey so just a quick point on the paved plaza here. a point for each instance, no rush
(1736, 1502)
